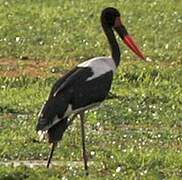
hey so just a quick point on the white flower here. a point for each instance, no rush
(118, 169)
(64, 178)
(17, 39)
(148, 59)
(92, 153)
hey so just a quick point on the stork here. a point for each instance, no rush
(85, 86)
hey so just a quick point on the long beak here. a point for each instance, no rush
(128, 40)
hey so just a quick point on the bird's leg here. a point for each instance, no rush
(55, 143)
(85, 158)
(51, 154)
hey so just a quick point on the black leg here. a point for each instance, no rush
(85, 158)
(51, 154)
(55, 143)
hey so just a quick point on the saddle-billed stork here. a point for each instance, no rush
(84, 86)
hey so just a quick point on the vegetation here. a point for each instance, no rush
(60, 29)
(135, 136)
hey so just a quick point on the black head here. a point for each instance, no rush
(110, 19)
(109, 15)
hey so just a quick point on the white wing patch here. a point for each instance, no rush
(99, 66)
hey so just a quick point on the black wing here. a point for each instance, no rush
(60, 96)
(77, 74)
(92, 91)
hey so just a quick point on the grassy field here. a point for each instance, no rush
(138, 136)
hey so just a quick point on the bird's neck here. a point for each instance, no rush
(115, 51)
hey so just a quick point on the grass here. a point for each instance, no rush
(65, 30)
(140, 134)
(137, 136)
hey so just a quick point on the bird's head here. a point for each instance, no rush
(110, 18)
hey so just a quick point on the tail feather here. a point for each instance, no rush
(51, 119)
(56, 132)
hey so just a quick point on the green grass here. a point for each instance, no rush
(71, 30)
(139, 133)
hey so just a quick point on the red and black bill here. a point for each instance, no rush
(128, 40)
